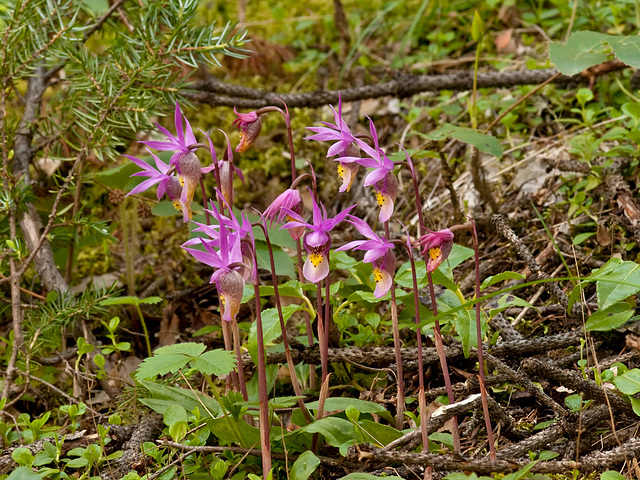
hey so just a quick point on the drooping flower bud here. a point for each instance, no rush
(250, 125)
(289, 199)
(436, 247)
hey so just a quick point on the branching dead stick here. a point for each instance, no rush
(502, 225)
(598, 461)
(575, 381)
(527, 384)
(331, 461)
(215, 92)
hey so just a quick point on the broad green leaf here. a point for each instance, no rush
(270, 327)
(191, 349)
(500, 278)
(520, 473)
(617, 283)
(76, 462)
(442, 437)
(465, 323)
(370, 297)
(581, 51)
(283, 262)
(458, 255)
(336, 431)
(609, 318)
(584, 95)
(483, 142)
(165, 208)
(581, 237)
(373, 319)
(477, 27)
(626, 48)
(633, 110)
(464, 476)
(161, 365)
(128, 300)
(292, 288)
(174, 414)
(241, 432)
(215, 362)
(629, 382)
(277, 236)
(342, 403)
(586, 49)
(118, 176)
(343, 260)
(404, 276)
(43, 458)
(378, 432)
(304, 466)
(169, 359)
(368, 476)
(635, 404)
(163, 396)
(24, 473)
(573, 402)
(178, 430)
(509, 300)
(151, 300)
(611, 475)
(547, 455)
(22, 456)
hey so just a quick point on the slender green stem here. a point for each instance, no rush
(474, 110)
(144, 329)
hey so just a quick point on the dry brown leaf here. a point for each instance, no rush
(503, 40)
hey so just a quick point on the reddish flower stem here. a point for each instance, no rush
(285, 340)
(422, 405)
(321, 334)
(443, 364)
(397, 347)
(263, 396)
(483, 390)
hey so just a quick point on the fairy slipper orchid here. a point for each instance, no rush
(378, 252)
(345, 146)
(317, 241)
